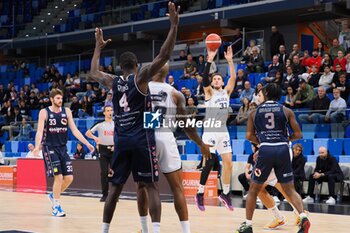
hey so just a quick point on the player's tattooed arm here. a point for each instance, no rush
(250, 134)
(232, 80)
(190, 132)
(101, 77)
(297, 134)
(145, 75)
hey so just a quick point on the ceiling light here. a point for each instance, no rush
(34, 28)
(48, 13)
(56, 7)
(42, 20)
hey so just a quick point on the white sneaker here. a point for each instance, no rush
(308, 199)
(276, 199)
(330, 201)
(58, 212)
(245, 197)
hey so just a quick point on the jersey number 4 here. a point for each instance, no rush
(270, 120)
(123, 103)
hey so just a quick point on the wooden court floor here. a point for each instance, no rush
(31, 212)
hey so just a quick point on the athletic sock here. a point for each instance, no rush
(105, 227)
(276, 213)
(294, 210)
(303, 215)
(185, 226)
(225, 188)
(201, 189)
(156, 227)
(144, 225)
(248, 222)
(56, 202)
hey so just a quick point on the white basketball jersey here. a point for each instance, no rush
(162, 100)
(217, 106)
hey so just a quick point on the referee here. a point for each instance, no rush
(104, 144)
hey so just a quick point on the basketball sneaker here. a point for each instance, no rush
(308, 199)
(244, 228)
(275, 224)
(226, 200)
(304, 226)
(58, 212)
(50, 196)
(297, 219)
(200, 201)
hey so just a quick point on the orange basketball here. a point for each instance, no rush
(213, 41)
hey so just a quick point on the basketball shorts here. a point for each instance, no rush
(57, 161)
(219, 140)
(273, 156)
(141, 161)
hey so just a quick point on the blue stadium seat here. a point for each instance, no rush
(335, 146)
(242, 158)
(311, 158)
(35, 114)
(74, 147)
(318, 143)
(344, 159)
(90, 122)
(322, 131)
(237, 146)
(347, 146)
(308, 131)
(194, 157)
(241, 131)
(247, 147)
(232, 130)
(307, 145)
(8, 146)
(14, 146)
(190, 147)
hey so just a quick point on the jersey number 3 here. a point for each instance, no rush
(123, 103)
(270, 120)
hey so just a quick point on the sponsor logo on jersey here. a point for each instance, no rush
(64, 121)
(51, 115)
(257, 172)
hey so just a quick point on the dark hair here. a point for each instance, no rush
(127, 61)
(212, 75)
(326, 66)
(107, 106)
(272, 91)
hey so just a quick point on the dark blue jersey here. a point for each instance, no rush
(56, 128)
(271, 123)
(129, 105)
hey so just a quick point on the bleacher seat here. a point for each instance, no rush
(322, 131)
(344, 159)
(335, 146)
(190, 147)
(242, 158)
(318, 143)
(307, 145)
(194, 157)
(308, 131)
(232, 130)
(247, 147)
(241, 131)
(238, 146)
(14, 146)
(346, 146)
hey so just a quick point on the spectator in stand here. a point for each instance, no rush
(245, 177)
(79, 152)
(22, 96)
(336, 111)
(86, 108)
(44, 100)
(344, 36)
(272, 70)
(13, 94)
(188, 95)
(182, 56)
(23, 109)
(199, 90)
(7, 111)
(34, 88)
(298, 164)
(336, 75)
(200, 65)
(341, 60)
(190, 68)
(24, 131)
(297, 67)
(2, 94)
(239, 87)
(291, 80)
(109, 99)
(191, 109)
(305, 95)
(326, 79)
(54, 85)
(282, 54)
(313, 77)
(249, 51)
(76, 84)
(343, 86)
(314, 60)
(305, 58)
(327, 170)
(248, 92)
(348, 66)
(33, 102)
(101, 94)
(278, 78)
(57, 77)
(296, 51)
(333, 51)
(288, 63)
(319, 107)
(62, 87)
(172, 82)
(30, 154)
(290, 98)
(69, 81)
(110, 70)
(243, 113)
(75, 106)
(256, 62)
(255, 98)
(320, 49)
(27, 90)
(326, 61)
(276, 40)
(13, 122)
(183, 91)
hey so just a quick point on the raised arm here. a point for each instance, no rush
(250, 134)
(149, 71)
(206, 81)
(39, 131)
(76, 132)
(297, 134)
(99, 76)
(232, 80)
(181, 113)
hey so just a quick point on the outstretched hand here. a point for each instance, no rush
(229, 54)
(211, 54)
(100, 42)
(173, 13)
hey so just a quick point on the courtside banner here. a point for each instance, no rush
(190, 181)
(8, 176)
